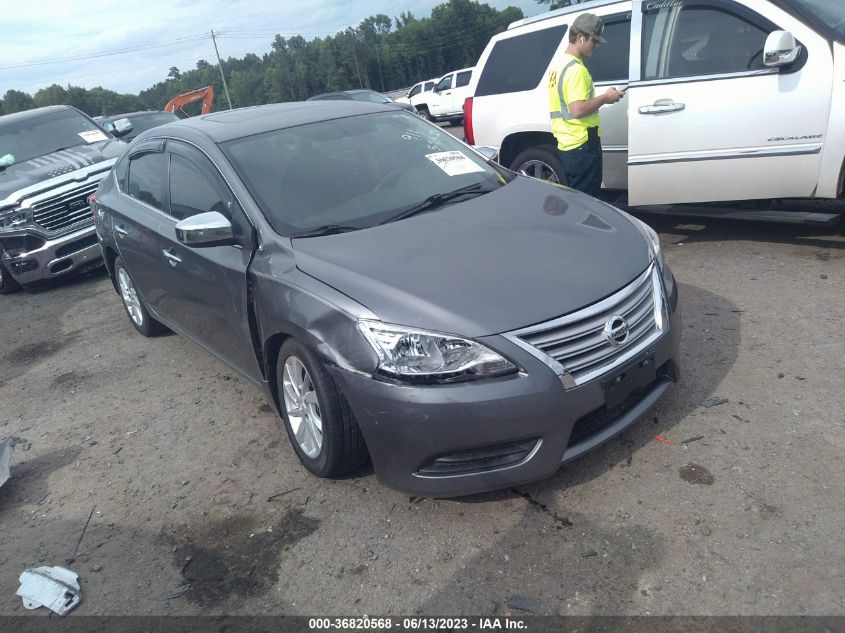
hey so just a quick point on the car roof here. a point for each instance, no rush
(33, 113)
(232, 124)
(114, 117)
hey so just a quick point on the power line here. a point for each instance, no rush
(45, 62)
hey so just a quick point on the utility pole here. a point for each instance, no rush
(220, 65)
(378, 59)
(360, 81)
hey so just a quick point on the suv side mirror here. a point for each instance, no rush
(780, 49)
(121, 127)
(205, 229)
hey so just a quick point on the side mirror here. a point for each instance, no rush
(487, 152)
(780, 49)
(121, 127)
(205, 229)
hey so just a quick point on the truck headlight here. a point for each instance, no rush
(410, 353)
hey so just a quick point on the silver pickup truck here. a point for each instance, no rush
(51, 160)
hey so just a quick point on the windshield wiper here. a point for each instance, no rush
(438, 200)
(326, 229)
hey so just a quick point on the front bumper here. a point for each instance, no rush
(495, 433)
(54, 257)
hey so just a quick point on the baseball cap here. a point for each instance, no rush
(590, 24)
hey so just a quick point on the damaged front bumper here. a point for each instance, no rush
(29, 257)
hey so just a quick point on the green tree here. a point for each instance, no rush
(17, 101)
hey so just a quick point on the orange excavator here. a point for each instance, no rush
(206, 95)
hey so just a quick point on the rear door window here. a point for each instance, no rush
(609, 62)
(145, 181)
(519, 63)
(462, 79)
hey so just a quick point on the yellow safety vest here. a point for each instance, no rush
(573, 83)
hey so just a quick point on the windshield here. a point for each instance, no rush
(37, 136)
(354, 172)
(827, 12)
(370, 97)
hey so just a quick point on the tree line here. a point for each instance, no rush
(380, 53)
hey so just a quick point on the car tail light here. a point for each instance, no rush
(469, 137)
(92, 202)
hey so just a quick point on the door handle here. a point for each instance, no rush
(121, 231)
(173, 259)
(659, 108)
(447, 93)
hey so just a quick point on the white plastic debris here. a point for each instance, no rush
(6, 447)
(56, 588)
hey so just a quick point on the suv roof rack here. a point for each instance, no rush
(563, 11)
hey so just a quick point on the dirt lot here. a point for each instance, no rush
(177, 457)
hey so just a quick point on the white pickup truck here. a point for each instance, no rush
(446, 99)
(728, 100)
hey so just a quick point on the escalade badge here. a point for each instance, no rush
(616, 330)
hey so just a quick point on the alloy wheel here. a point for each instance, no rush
(538, 169)
(130, 297)
(302, 407)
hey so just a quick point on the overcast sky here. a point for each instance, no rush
(44, 41)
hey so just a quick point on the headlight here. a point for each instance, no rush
(410, 353)
(653, 240)
(11, 216)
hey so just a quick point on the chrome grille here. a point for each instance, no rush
(576, 343)
(66, 209)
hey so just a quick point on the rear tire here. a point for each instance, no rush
(540, 162)
(137, 312)
(456, 121)
(320, 425)
(8, 285)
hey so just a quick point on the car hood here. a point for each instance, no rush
(523, 254)
(22, 175)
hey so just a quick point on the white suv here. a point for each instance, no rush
(727, 100)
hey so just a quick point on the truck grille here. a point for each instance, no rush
(578, 342)
(65, 209)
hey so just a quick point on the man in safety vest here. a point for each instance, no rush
(574, 106)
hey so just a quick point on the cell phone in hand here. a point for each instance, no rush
(623, 88)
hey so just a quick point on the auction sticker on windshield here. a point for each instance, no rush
(454, 163)
(92, 136)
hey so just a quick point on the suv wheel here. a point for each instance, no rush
(320, 425)
(7, 283)
(540, 162)
(137, 312)
(424, 113)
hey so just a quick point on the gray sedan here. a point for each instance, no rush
(396, 295)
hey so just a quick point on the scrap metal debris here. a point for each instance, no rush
(178, 591)
(56, 588)
(525, 604)
(6, 448)
(692, 439)
(714, 402)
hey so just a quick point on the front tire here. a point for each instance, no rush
(540, 162)
(137, 312)
(8, 285)
(424, 113)
(321, 428)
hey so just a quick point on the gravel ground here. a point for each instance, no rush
(187, 475)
